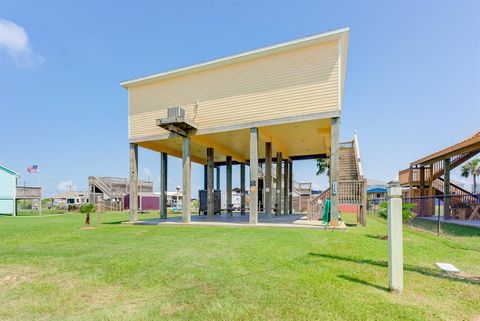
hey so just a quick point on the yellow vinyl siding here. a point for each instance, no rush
(297, 82)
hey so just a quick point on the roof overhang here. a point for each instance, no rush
(8, 170)
(470, 144)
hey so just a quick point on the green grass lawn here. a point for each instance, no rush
(51, 269)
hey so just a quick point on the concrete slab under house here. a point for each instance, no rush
(263, 109)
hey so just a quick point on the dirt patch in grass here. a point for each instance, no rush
(12, 276)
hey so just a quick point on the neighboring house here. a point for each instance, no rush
(70, 198)
(174, 198)
(376, 193)
(8, 190)
(236, 199)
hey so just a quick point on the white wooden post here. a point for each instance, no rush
(395, 241)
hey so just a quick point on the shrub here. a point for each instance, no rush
(407, 214)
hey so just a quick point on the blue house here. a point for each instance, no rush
(8, 190)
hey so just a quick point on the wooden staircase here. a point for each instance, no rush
(439, 185)
(348, 163)
(423, 180)
(351, 185)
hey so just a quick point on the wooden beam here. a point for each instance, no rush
(187, 180)
(242, 188)
(163, 185)
(290, 186)
(229, 185)
(210, 191)
(268, 180)
(133, 182)
(218, 176)
(253, 219)
(334, 168)
(278, 186)
(286, 208)
(464, 147)
(446, 189)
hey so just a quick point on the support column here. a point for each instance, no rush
(290, 186)
(422, 180)
(242, 188)
(210, 191)
(334, 168)
(187, 180)
(253, 176)
(422, 201)
(268, 180)
(229, 186)
(395, 240)
(205, 170)
(278, 187)
(133, 182)
(285, 187)
(218, 177)
(446, 189)
(410, 183)
(163, 186)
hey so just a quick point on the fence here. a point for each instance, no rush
(462, 207)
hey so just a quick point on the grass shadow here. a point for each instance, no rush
(114, 222)
(377, 237)
(407, 267)
(362, 282)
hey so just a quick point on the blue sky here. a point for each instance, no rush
(412, 85)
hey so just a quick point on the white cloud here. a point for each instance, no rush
(14, 40)
(66, 186)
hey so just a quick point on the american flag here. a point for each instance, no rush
(33, 169)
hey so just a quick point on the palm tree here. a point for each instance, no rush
(472, 168)
(323, 166)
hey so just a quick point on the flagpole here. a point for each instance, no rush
(40, 199)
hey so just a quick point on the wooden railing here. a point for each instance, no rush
(26, 192)
(349, 193)
(115, 187)
(435, 169)
(356, 150)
